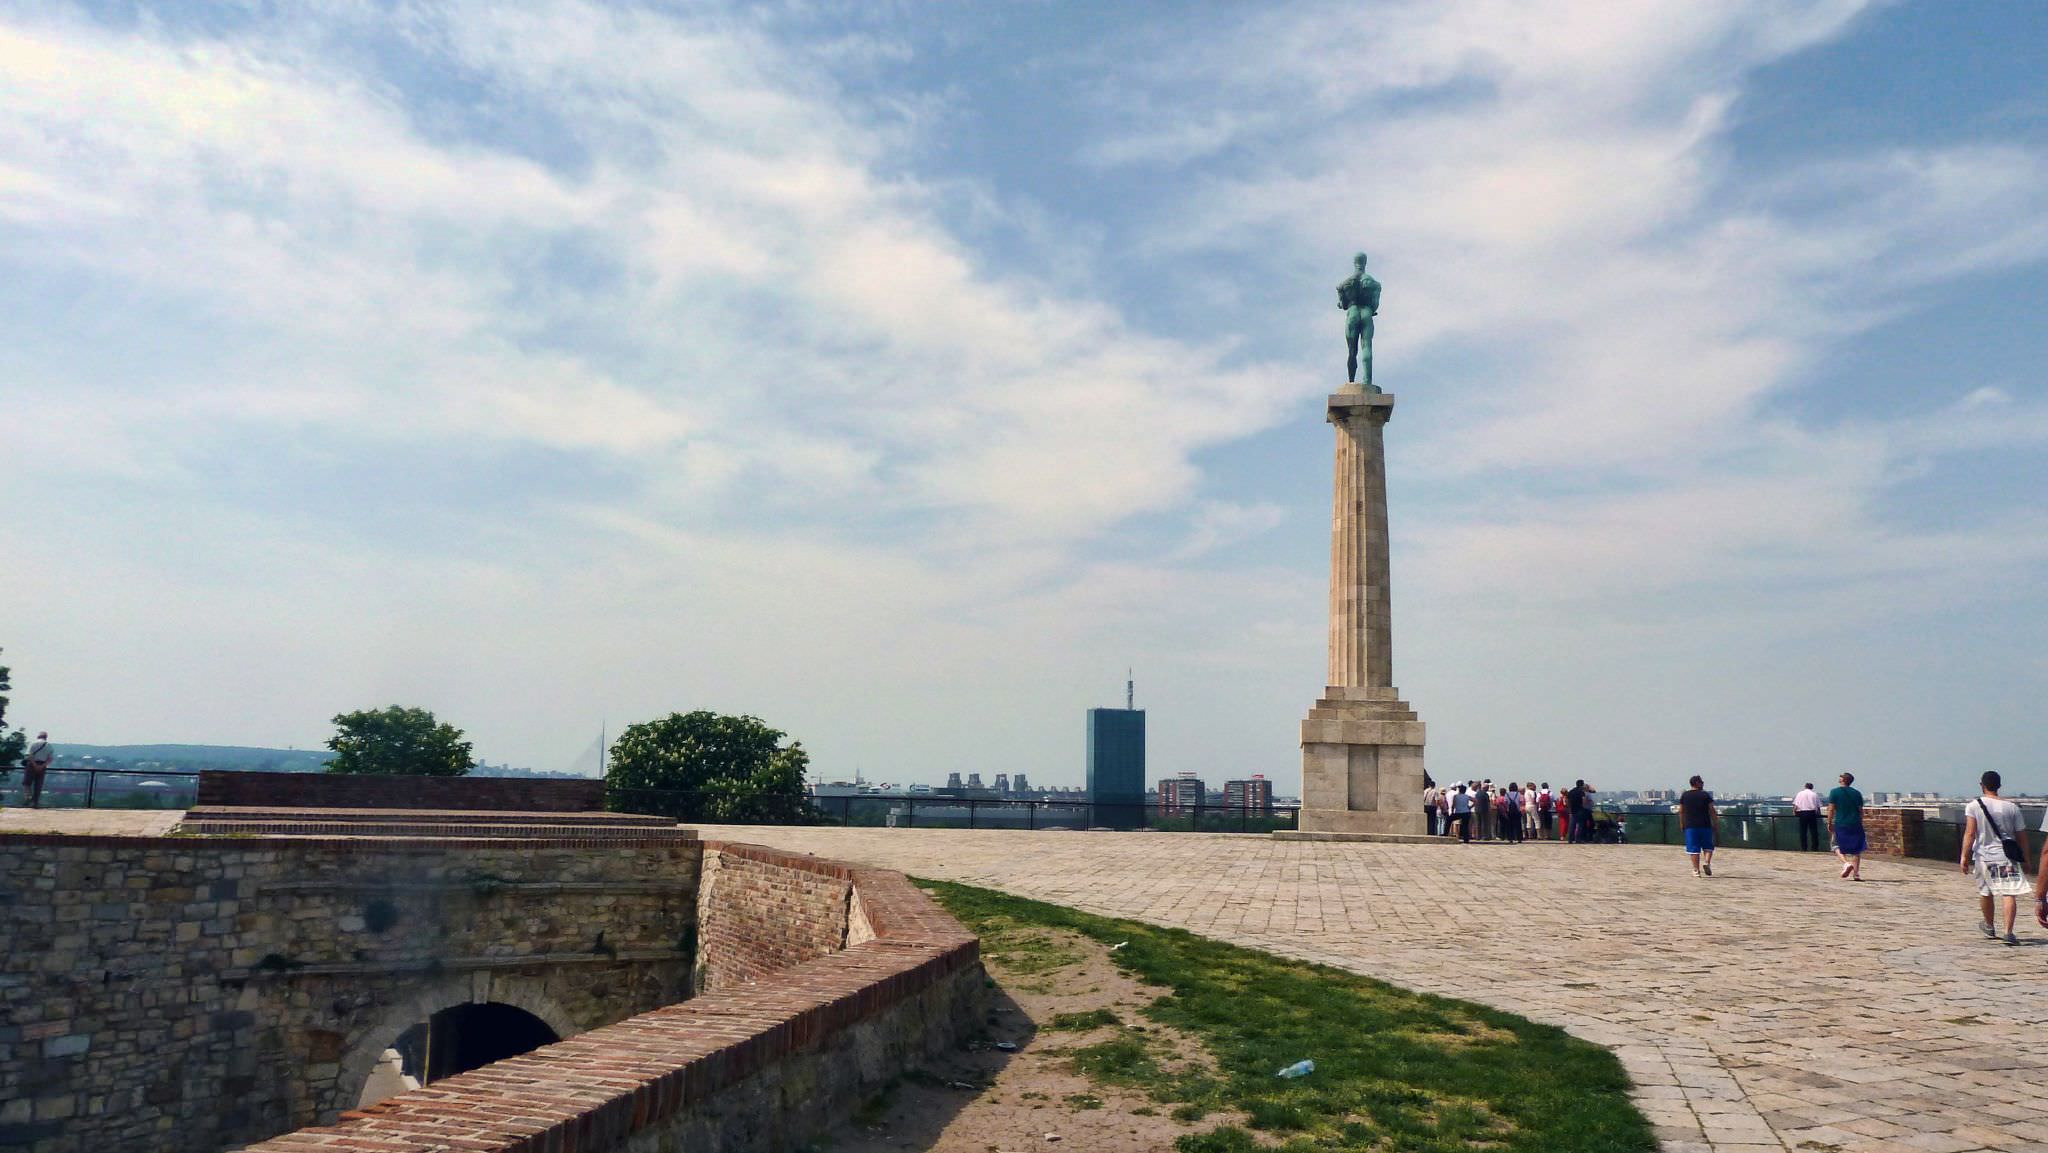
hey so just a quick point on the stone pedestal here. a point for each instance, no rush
(1361, 745)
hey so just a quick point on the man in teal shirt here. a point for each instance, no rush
(1845, 817)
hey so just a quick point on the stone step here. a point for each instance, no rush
(1351, 711)
(422, 816)
(435, 830)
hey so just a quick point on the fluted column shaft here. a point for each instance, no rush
(1361, 596)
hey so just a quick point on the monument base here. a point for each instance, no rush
(1361, 764)
(1368, 838)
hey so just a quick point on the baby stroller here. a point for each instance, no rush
(1609, 829)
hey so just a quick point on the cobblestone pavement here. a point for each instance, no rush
(99, 822)
(1773, 1006)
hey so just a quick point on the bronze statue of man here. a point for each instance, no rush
(1359, 297)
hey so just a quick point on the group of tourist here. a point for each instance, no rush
(1699, 821)
(1994, 850)
(1512, 813)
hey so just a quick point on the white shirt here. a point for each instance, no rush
(2007, 814)
(1807, 801)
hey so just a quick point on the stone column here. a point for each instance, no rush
(1361, 601)
(1361, 745)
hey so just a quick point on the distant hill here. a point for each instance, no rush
(236, 758)
(191, 758)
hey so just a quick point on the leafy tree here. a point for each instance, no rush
(709, 766)
(11, 744)
(397, 742)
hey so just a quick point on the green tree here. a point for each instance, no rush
(397, 742)
(709, 766)
(11, 744)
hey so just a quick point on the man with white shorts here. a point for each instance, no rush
(1991, 823)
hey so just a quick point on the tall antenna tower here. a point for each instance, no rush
(1130, 690)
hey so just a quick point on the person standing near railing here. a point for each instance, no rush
(1430, 793)
(1579, 802)
(1461, 814)
(1995, 849)
(1807, 805)
(33, 769)
(1509, 822)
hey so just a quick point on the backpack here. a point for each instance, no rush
(1544, 802)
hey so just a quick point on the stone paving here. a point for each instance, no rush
(1773, 1006)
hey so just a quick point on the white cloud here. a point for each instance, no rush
(844, 459)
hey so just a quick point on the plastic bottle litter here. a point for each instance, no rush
(1118, 945)
(1298, 1069)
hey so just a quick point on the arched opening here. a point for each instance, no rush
(455, 1040)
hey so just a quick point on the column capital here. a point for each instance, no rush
(1353, 401)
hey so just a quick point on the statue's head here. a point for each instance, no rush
(1358, 262)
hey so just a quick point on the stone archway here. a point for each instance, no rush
(367, 1043)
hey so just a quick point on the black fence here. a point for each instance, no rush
(138, 789)
(933, 811)
(104, 789)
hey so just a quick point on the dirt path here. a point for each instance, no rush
(1064, 1007)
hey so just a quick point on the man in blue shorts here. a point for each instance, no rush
(1699, 820)
(1845, 818)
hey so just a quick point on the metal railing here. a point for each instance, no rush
(932, 811)
(1939, 840)
(104, 789)
(78, 788)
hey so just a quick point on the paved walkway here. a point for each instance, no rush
(1773, 1006)
(90, 822)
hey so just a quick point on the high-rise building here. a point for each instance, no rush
(1180, 794)
(952, 780)
(1002, 782)
(1021, 783)
(974, 780)
(1116, 764)
(1254, 794)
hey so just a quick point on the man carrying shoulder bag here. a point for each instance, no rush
(1995, 849)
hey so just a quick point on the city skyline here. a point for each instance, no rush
(902, 379)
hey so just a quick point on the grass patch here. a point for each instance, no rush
(1082, 1022)
(1394, 1070)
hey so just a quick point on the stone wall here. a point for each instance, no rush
(186, 993)
(331, 791)
(1895, 832)
(750, 1067)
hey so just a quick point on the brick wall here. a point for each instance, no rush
(760, 911)
(1895, 832)
(747, 1067)
(187, 993)
(332, 791)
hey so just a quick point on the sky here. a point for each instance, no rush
(904, 373)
